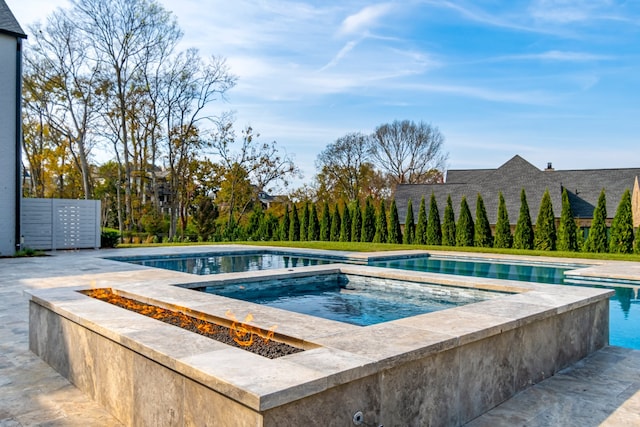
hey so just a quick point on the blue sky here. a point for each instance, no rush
(552, 80)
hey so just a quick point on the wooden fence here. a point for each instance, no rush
(51, 224)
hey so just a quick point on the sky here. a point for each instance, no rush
(551, 80)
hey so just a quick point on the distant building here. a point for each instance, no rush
(583, 187)
(11, 36)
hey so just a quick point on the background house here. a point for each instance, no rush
(583, 188)
(11, 36)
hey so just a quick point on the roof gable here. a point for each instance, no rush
(8, 22)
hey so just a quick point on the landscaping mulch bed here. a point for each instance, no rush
(242, 336)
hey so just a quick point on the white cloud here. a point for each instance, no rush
(364, 19)
(568, 11)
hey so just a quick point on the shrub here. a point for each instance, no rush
(285, 224)
(313, 233)
(567, 229)
(294, 227)
(545, 232)
(368, 221)
(409, 226)
(622, 227)
(449, 225)
(434, 229)
(598, 240)
(109, 238)
(382, 231)
(483, 237)
(523, 238)
(336, 225)
(345, 226)
(464, 228)
(325, 224)
(395, 233)
(421, 226)
(503, 238)
(356, 224)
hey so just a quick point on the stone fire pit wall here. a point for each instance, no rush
(442, 368)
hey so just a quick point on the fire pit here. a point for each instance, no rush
(239, 334)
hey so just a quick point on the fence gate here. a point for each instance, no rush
(51, 224)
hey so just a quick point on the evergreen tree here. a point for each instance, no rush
(409, 226)
(313, 233)
(253, 226)
(622, 227)
(523, 236)
(503, 238)
(421, 226)
(294, 229)
(449, 225)
(325, 223)
(545, 232)
(597, 240)
(336, 224)
(356, 223)
(382, 230)
(304, 221)
(285, 224)
(269, 227)
(345, 227)
(638, 240)
(464, 227)
(368, 221)
(483, 237)
(567, 229)
(395, 232)
(434, 228)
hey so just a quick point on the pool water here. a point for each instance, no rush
(203, 264)
(494, 270)
(353, 300)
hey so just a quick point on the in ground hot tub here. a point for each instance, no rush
(438, 368)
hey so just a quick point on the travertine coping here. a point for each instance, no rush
(337, 353)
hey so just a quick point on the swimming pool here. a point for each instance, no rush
(218, 263)
(553, 274)
(357, 300)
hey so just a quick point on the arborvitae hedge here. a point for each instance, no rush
(368, 221)
(356, 223)
(434, 228)
(449, 225)
(345, 227)
(336, 224)
(325, 223)
(409, 226)
(523, 237)
(421, 226)
(545, 232)
(382, 231)
(313, 233)
(395, 232)
(304, 222)
(597, 240)
(294, 230)
(622, 227)
(464, 227)
(567, 229)
(483, 237)
(503, 238)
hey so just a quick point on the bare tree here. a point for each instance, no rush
(58, 63)
(408, 153)
(125, 35)
(344, 166)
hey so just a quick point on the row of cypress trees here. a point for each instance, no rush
(353, 223)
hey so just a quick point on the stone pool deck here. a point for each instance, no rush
(603, 389)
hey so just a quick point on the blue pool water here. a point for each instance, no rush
(353, 300)
(624, 306)
(476, 268)
(217, 263)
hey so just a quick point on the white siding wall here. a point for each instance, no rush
(7, 144)
(60, 223)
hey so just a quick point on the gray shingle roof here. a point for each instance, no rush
(583, 187)
(8, 23)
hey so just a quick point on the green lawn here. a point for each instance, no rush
(371, 247)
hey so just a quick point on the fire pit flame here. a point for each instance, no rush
(244, 334)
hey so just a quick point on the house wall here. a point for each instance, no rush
(7, 144)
